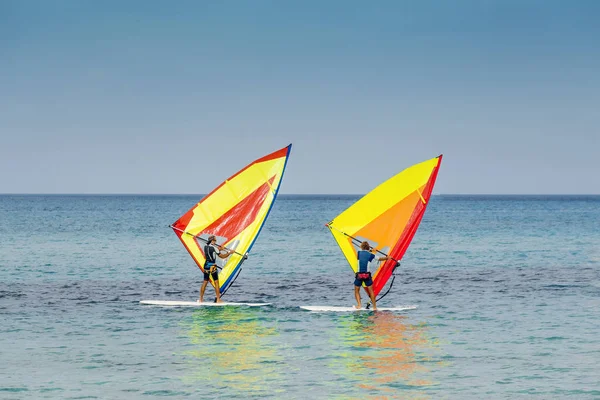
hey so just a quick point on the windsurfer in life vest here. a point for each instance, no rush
(365, 256)
(212, 250)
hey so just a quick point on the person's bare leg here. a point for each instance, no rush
(357, 296)
(202, 289)
(217, 290)
(369, 290)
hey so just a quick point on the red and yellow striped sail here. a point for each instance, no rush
(234, 212)
(387, 217)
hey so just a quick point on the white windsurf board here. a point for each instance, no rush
(173, 303)
(352, 309)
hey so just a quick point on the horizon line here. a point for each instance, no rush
(293, 194)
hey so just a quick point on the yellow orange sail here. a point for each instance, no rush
(387, 217)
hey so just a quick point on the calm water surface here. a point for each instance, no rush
(507, 288)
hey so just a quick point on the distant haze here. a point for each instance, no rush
(173, 97)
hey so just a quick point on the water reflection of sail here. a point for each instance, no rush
(232, 351)
(382, 353)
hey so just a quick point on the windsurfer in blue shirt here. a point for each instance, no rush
(211, 251)
(365, 256)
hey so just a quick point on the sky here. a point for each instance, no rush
(173, 97)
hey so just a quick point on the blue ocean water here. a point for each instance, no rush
(507, 288)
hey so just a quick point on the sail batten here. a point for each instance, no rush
(387, 217)
(235, 212)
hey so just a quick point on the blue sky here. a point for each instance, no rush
(148, 96)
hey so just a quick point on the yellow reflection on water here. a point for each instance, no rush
(231, 349)
(384, 355)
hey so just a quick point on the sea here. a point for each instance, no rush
(507, 290)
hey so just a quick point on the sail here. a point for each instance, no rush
(387, 217)
(234, 212)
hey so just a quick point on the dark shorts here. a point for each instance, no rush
(214, 275)
(361, 277)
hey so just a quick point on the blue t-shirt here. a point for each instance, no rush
(364, 258)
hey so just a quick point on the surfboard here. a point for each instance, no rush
(173, 303)
(351, 309)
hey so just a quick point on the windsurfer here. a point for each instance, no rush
(212, 250)
(365, 256)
